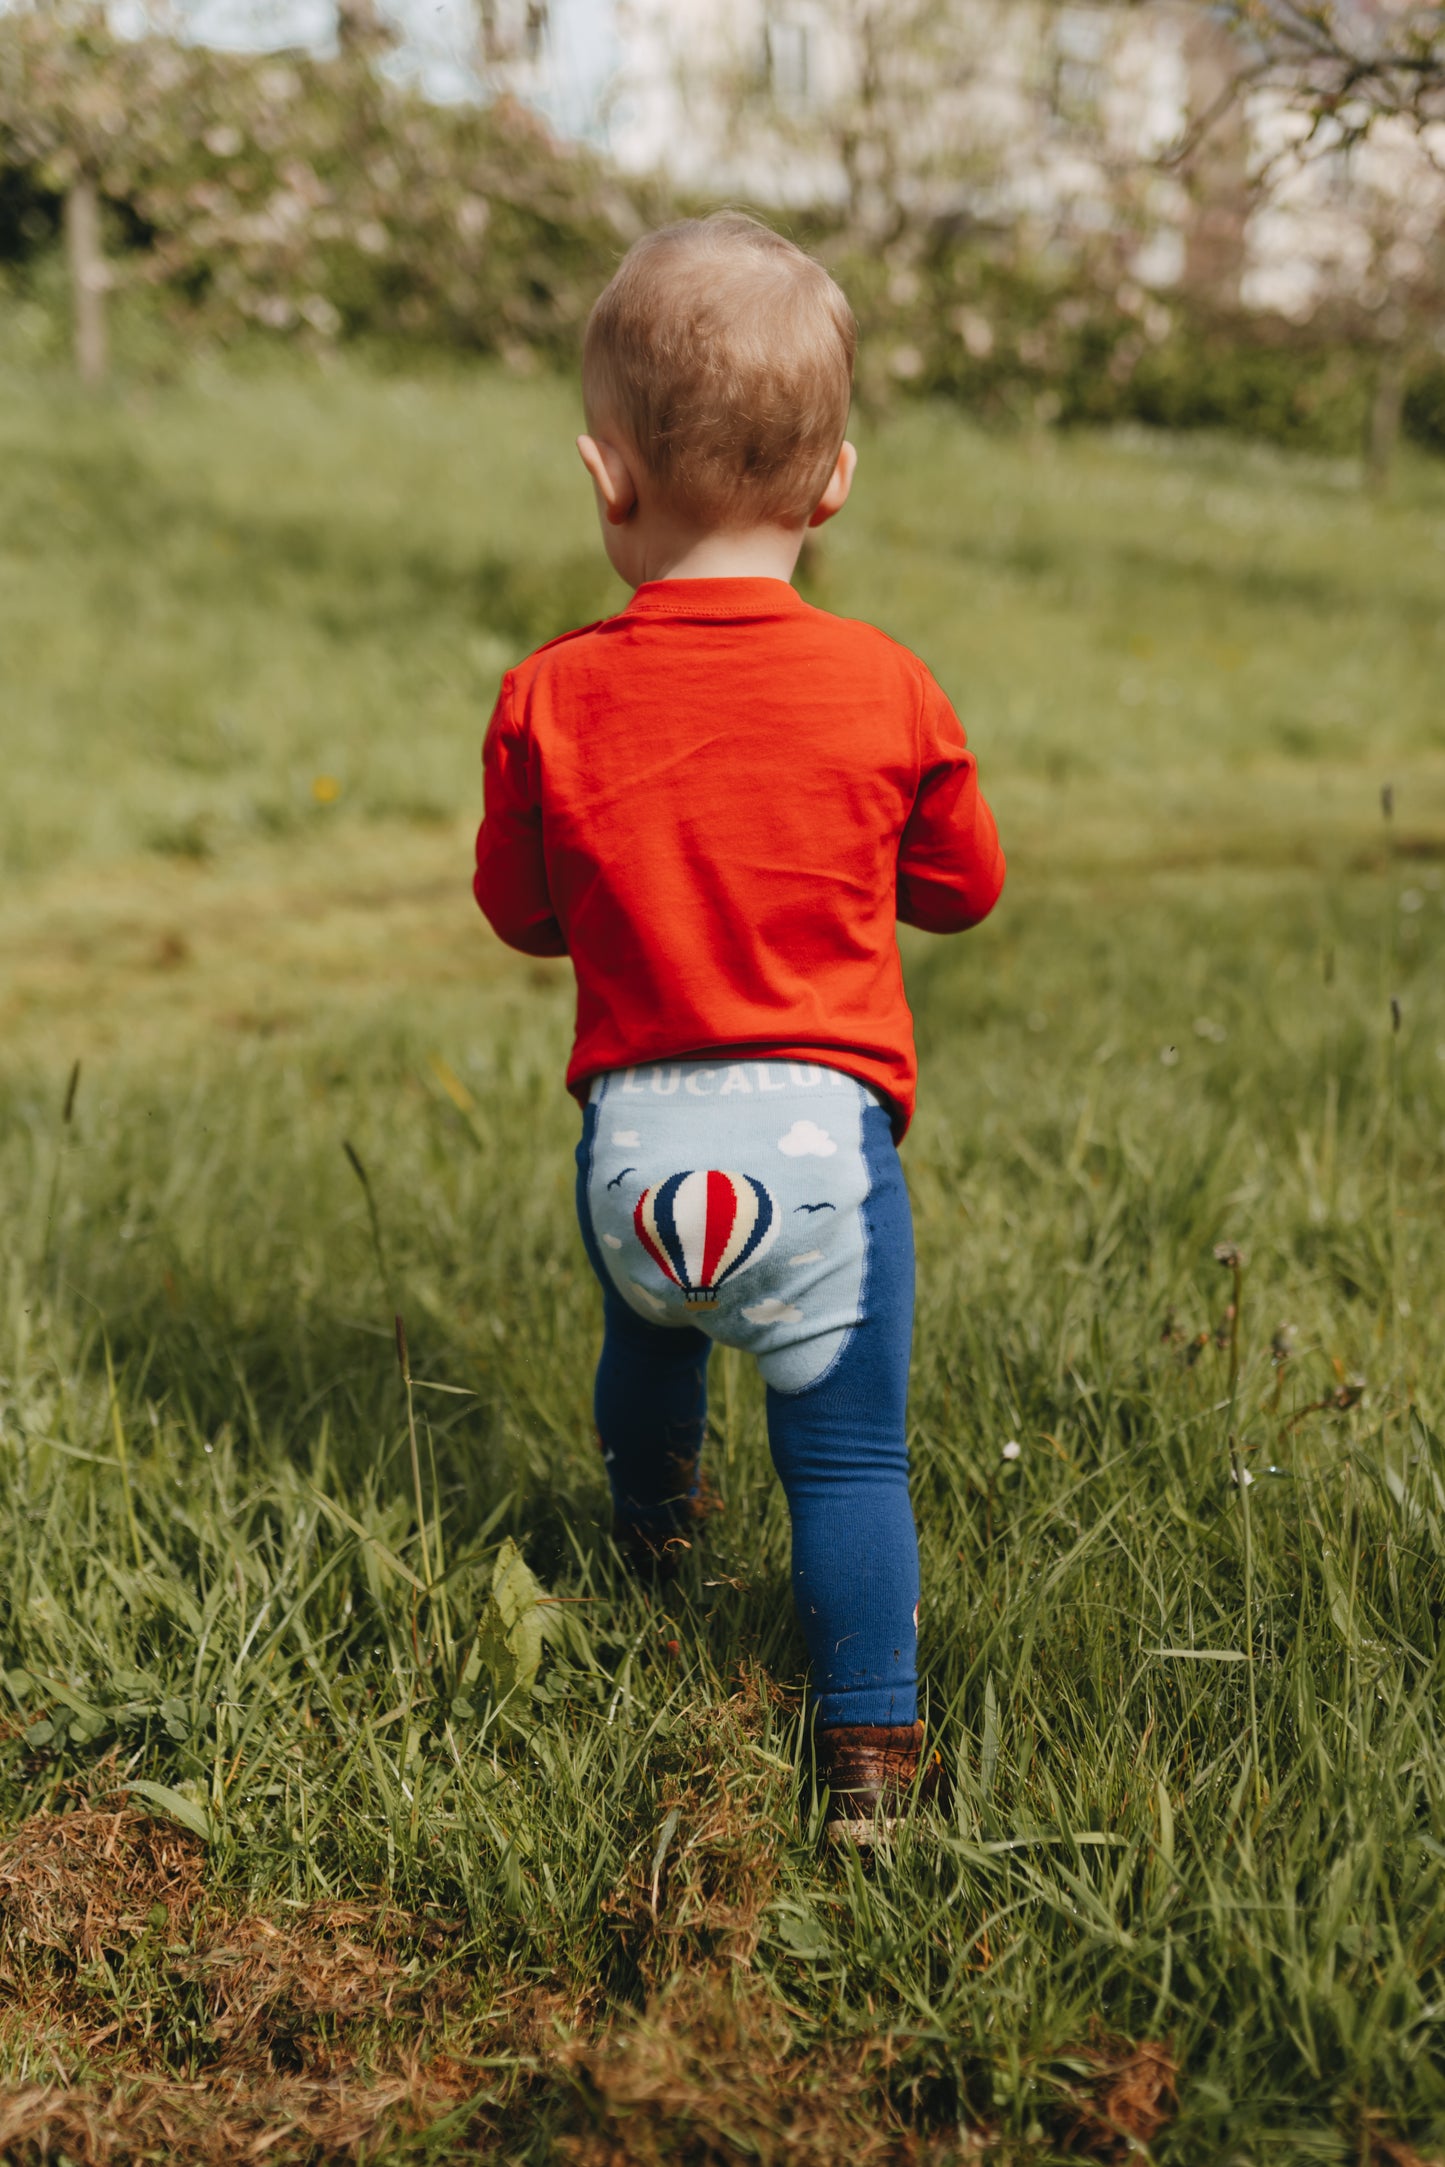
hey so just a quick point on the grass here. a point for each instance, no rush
(374, 1906)
(227, 589)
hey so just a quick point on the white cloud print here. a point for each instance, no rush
(805, 1140)
(773, 1312)
(626, 1137)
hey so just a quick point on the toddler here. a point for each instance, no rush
(717, 803)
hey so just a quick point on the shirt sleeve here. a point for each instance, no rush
(950, 865)
(511, 877)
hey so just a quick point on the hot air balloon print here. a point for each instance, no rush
(703, 1228)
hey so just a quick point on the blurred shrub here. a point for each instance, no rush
(1290, 393)
(374, 213)
(312, 197)
(1020, 342)
(302, 194)
(1425, 406)
(29, 214)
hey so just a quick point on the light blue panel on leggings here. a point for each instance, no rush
(790, 1136)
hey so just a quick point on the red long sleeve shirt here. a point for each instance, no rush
(717, 803)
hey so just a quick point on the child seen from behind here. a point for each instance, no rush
(717, 803)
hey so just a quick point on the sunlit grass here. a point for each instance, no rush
(216, 594)
(1193, 1723)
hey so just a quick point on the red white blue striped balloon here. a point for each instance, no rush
(701, 1229)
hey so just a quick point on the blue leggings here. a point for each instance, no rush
(685, 1257)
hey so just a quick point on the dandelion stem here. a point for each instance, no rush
(1232, 1256)
(1389, 961)
(1392, 1202)
(1329, 1143)
(404, 1364)
(353, 1159)
(1249, 1640)
(52, 1202)
(123, 1455)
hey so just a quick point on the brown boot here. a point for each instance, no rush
(655, 1554)
(871, 1774)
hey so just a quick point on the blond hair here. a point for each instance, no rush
(725, 355)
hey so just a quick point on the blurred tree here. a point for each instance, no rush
(922, 136)
(68, 89)
(1352, 169)
(1215, 165)
(1385, 290)
(868, 114)
(302, 194)
(1349, 62)
(878, 120)
(360, 28)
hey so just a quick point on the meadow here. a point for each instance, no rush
(354, 1804)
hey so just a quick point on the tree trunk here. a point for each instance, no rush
(360, 31)
(1386, 408)
(88, 280)
(1217, 168)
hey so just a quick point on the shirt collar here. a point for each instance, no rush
(708, 598)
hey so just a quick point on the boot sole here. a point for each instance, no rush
(861, 1835)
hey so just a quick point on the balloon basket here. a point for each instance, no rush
(706, 1300)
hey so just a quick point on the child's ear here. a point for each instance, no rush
(611, 478)
(840, 481)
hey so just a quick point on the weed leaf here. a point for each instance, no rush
(508, 1646)
(171, 1803)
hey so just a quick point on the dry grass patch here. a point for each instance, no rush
(293, 1991)
(705, 1857)
(222, 2117)
(1379, 2147)
(171, 2026)
(81, 1883)
(79, 1889)
(713, 2073)
(1126, 2091)
(148, 954)
(180, 2030)
(148, 2018)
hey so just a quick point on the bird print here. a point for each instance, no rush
(814, 1207)
(622, 1176)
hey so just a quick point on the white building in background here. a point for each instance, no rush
(1023, 111)
(658, 84)
(1370, 225)
(1036, 112)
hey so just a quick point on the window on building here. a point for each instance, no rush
(513, 29)
(1080, 56)
(786, 61)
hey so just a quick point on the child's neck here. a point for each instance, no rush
(740, 553)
